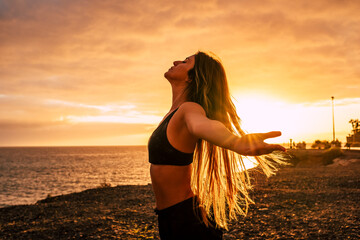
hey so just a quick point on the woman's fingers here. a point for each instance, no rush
(269, 134)
(256, 150)
(275, 147)
(254, 145)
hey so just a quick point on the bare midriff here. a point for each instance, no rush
(171, 184)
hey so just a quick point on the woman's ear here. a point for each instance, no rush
(190, 75)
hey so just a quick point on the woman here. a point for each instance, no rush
(197, 172)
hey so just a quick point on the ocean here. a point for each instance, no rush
(29, 174)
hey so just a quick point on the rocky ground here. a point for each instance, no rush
(308, 201)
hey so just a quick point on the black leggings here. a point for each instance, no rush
(179, 222)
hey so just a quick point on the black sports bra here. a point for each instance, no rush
(161, 152)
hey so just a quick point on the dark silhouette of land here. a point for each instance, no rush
(317, 198)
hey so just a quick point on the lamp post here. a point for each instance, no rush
(333, 119)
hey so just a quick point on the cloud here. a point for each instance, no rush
(89, 55)
(54, 110)
(114, 43)
(74, 134)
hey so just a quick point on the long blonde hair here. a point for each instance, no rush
(219, 178)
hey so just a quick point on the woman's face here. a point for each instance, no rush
(179, 71)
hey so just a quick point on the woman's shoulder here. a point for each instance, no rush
(191, 107)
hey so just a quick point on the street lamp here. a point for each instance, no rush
(333, 120)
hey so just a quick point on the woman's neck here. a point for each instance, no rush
(178, 96)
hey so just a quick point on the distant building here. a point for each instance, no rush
(353, 139)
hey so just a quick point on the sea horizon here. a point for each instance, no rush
(286, 145)
(25, 146)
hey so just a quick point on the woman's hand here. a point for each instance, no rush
(254, 145)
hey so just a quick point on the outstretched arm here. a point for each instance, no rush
(215, 132)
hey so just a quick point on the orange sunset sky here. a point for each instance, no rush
(91, 72)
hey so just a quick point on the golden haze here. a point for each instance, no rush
(91, 73)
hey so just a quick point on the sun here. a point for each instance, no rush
(263, 113)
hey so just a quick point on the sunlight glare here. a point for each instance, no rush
(261, 113)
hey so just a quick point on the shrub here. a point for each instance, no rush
(336, 143)
(297, 156)
(329, 155)
(104, 184)
(301, 145)
(321, 144)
